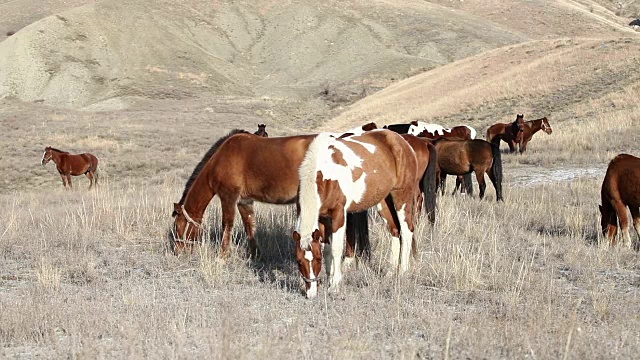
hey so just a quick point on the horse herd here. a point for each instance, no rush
(334, 178)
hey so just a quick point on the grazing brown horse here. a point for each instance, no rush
(241, 168)
(262, 130)
(511, 133)
(460, 157)
(70, 164)
(341, 175)
(531, 127)
(621, 189)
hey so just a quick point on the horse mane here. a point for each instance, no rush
(205, 159)
(58, 150)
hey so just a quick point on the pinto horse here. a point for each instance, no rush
(70, 164)
(511, 133)
(621, 189)
(262, 130)
(341, 175)
(460, 157)
(234, 169)
(531, 127)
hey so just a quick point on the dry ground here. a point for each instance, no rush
(87, 274)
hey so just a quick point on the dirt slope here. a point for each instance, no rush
(160, 49)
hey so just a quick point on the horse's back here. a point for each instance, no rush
(262, 168)
(622, 180)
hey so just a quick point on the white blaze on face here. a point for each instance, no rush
(43, 155)
(313, 288)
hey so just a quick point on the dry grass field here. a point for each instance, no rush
(88, 274)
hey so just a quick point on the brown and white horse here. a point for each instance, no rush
(353, 174)
(531, 127)
(621, 189)
(511, 133)
(70, 164)
(241, 168)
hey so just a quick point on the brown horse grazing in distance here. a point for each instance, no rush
(621, 189)
(511, 133)
(70, 164)
(460, 157)
(262, 130)
(531, 127)
(341, 175)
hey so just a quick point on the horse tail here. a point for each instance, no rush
(496, 169)
(358, 230)
(468, 183)
(429, 184)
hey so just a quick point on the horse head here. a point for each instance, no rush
(545, 125)
(370, 126)
(262, 130)
(46, 156)
(309, 260)
(186, 231)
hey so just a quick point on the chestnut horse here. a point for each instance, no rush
(531, 127)
(70, 164)
(460, 157)
(621, 189)
(262, 130)
(234, 169)
(511, 133)
(341, 175)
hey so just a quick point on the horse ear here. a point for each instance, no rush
(177, 208)
(316, 235)
(600, 207)
(296, 237)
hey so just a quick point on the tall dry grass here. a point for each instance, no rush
(87, 274)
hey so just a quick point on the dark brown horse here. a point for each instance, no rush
(234, 169)
(262, 130)
(621, 189)
(460, 157)
(341, 175)
(70, 164)
(511, 133)
(531, 127)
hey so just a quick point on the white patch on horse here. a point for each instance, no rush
(369, 147)
(406, 236)
(309, 197)
(433, 129)
(353, 190)
(43, 155)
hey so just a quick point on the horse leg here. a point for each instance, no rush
(69, 181)
(389, 220)
(407, 240)
(621, 211)
(228, 203)
(64, 180)
(333, 252)
(443, 182)
(481, 182)
(245, 207)
(90, 176)
(512, 146)
(635, 215)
